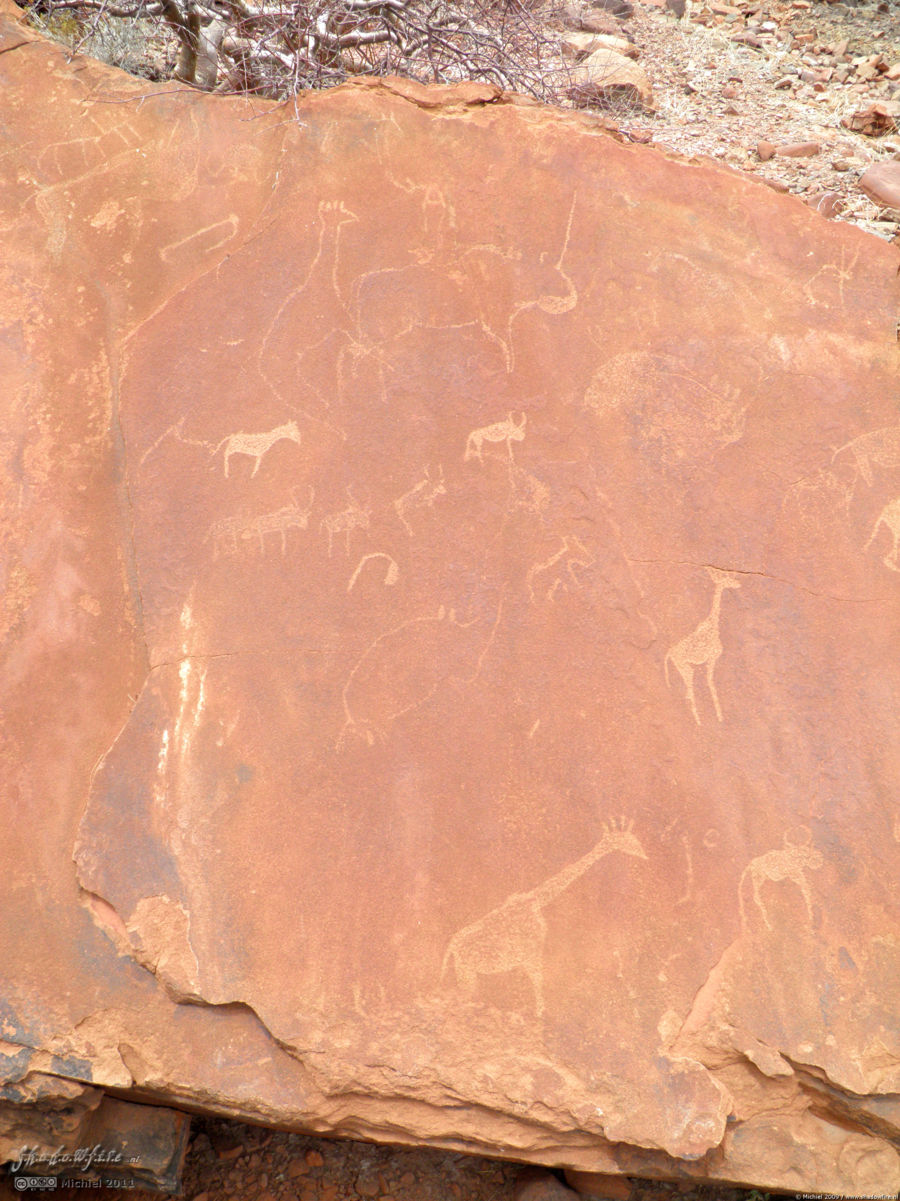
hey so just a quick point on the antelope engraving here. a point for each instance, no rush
(422, 496)
(354, 517)
(289, 517)
(512, 936)
(890, 518)
(507, 431)
(574, 554)
(256, 446)
(791, 862)
(702, 647)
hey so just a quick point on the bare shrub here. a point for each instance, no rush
(275, 48)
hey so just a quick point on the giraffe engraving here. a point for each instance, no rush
(702, 647)
(512, 936)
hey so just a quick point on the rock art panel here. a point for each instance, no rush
(450, 623)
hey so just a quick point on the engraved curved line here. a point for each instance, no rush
(393, 571)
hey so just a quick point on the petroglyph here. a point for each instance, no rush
(842, 273)
(391, 576)
(421, 496)
(553, 303)
(279, 521)
(512, 936)
(790, 863)
(507, 431)
(354, 517)
(880, 448)
(889, 517)
(404, 668)
(546, 578)
(479, 271)
(225, 534)
(256, 446)
(702, 647)
(527, 492)
(228, 531)
(175, 431)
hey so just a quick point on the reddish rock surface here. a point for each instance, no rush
(450, 686)
(881, 183)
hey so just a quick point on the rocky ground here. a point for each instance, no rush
(821, 79)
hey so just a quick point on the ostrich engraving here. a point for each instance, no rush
(702, 647)
(512, 936)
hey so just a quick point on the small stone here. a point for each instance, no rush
(798, 149)
(201, 1197)
(314, 1159)
(230, 1153)
(537, 1184)
(730, 92)
(677, 7)
(777, 185)
(599, 1185)
(619, 8)
(873, 121)
(829, 204)
(785, 82)
(747, 39)
(765, 150)
(606, 73)
(297, 1167)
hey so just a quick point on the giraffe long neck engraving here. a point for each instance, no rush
(566, 876)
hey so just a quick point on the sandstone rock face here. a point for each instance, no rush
(450, 627)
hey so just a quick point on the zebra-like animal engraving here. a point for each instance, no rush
(256, 446)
